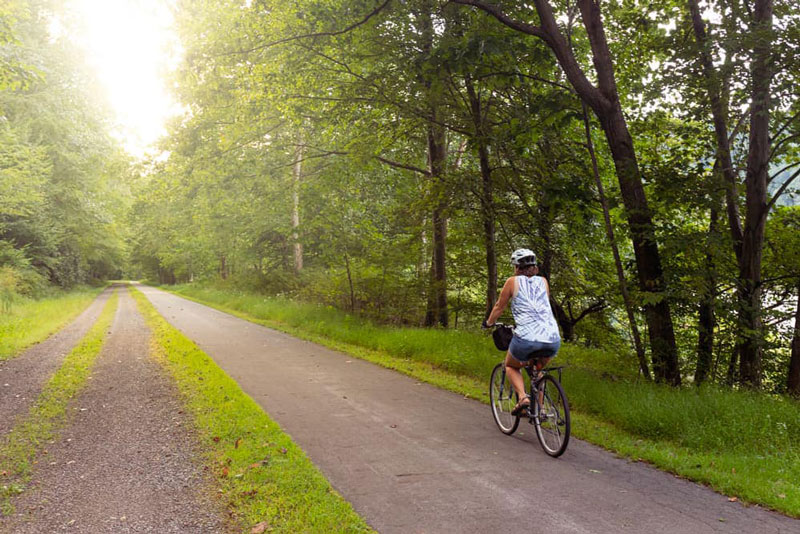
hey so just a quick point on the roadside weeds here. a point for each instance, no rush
(32, 321)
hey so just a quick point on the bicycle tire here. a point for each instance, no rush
(552, 419)
(503, 399)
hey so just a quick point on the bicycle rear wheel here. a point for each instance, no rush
(503, 399)
(552, 421)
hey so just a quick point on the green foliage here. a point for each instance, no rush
(274, 88)
(62, 177)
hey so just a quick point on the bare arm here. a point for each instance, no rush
(505, 295)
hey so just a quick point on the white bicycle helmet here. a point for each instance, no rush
(523, 257)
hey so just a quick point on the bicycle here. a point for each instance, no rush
(548, 410)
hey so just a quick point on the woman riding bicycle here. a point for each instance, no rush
(536, 329)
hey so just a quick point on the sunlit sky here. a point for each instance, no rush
(132, 47)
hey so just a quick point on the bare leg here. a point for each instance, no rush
(512, 371)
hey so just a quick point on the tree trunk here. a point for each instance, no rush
(223, 267)
(648, 260)
(487, 195)
(793, 379)
(567, 326)
(623, 285)
(437, 301)
(350, 283)
(719, 115)
(297, 175)
(756, 200)
(706, 321)
(604, 101)
(437, 160)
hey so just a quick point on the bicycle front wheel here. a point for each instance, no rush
(503, 399)
(552, 421)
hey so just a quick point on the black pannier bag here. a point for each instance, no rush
(502, 337)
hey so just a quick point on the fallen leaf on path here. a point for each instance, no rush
(392, 426)
(594, 471)
(259, 528)
(733, 499)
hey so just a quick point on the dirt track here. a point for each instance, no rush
(413, 458)
(22, 377)
(126, 463)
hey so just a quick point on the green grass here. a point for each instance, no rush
(31, 321)
(742, 444)
(19, 449)
(262, 475)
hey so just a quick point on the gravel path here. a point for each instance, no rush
(22, 377)
(127, 462)
(412, 458)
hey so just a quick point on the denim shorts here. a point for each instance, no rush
(521, 349)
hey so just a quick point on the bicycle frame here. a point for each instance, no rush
(534, 382)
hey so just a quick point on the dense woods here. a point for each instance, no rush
(385, 157)
(62, 178)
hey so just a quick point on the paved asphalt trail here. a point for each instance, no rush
(415, 459)
(22, 377)
(126, 462)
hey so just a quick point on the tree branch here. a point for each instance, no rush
(594, 308)
(502, 17)
(353, 26)
(551, 35)
(780, 191)
(403, 166)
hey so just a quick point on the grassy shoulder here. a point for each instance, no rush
(745, 445)
(264, 478)
(30, 321)
(48, 414)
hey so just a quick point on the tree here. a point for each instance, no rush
(605, 102)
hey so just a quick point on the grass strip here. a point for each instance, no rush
(742, 444)
(31, 321)
(265, 479)
(48, 414)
